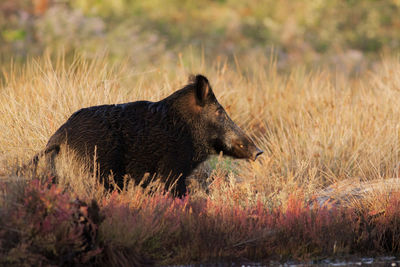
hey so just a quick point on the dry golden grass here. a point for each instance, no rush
(316, 128)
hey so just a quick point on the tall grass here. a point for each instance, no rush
(317, 128)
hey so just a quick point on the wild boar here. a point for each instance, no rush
(168, 138)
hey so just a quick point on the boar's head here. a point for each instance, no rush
(211, 126)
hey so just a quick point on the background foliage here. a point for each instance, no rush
(335, 32)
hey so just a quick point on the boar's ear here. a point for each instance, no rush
(203, 89)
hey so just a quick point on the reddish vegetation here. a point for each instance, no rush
(41, 224)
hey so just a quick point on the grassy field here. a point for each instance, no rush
(318, 129)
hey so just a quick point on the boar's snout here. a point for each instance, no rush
(241, 146)
(253, 151)
(257, 152)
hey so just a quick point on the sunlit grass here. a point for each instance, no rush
(318, 129)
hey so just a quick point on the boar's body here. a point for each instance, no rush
(168, 138)
(133, 138)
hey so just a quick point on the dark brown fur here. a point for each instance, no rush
(168, 138)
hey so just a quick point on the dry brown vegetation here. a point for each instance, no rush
(317, 128)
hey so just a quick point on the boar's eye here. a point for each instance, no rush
(241, 146)
(219, 112)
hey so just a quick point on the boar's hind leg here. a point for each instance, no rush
(51, 153)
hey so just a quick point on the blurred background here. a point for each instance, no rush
(349, 36)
